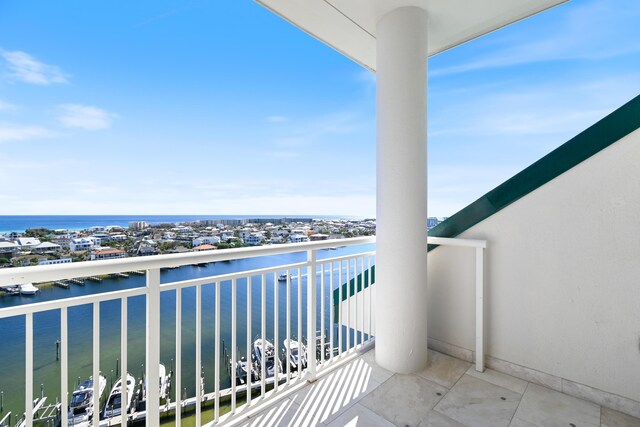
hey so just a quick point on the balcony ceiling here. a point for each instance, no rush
(349, 26)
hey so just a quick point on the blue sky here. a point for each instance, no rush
(220, 107)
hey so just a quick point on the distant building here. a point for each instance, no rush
(46, 247)
(83, 244)
(318, 236)
(138, 225)
(8, 249)
(54, 261)
(26, 243)
(298, 238)
(204, 248)
(107, 253)
(253, 239)
(205, 240)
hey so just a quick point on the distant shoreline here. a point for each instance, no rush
(20, 223)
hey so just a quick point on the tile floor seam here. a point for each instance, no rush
(519, 403)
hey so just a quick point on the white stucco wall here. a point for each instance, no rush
(562, 277)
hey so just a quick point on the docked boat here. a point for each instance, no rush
(283, 277)
(265, 350)
(242, 367)
(81, 406)
(297, 354)
(163, 382)
(323, 348)
(28, 289)
(113, 407)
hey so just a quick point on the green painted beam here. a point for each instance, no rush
(355, 285)
(604, 133)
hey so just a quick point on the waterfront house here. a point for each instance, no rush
(54, 261)
(46, 247)
(106, 253)
(298, 238)
(203, 248)
(253, 239)
(83, 243)
(8, 249)
(205, 240)
(26, 243)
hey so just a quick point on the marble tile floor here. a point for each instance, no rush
(448, 393)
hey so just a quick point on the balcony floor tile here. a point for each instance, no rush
(611, 418)
(546, 407)
(444, 370)
(477, 403)
(360, 416)
(405, 400)
(361, 393)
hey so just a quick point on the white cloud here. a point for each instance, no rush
(5, 106)
(84, 117)
(10, 132)
(277, 119)
(26, 68)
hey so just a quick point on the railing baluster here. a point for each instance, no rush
(217, 357)
(64, 367)
(96, 362)
(356, 298)
(233, 346)
(362, 297)
(322, 334)
(331, 310)
(311, 317)
(28, 368)
(249, 364)
(340, 314)
(299, 304)
(153, 347)
(348, 301)
(288, 349)
(263, 330)
(199, 384)
(276, 304)
(370, 293)
(123, 358)
(178, 368)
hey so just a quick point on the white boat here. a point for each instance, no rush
(297, 354)
(113, 407)
(163, 382)
(265, 350)
(241, 370)
(283, 277)
(28, 289)
(81, 406)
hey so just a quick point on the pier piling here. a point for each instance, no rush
(57, 350)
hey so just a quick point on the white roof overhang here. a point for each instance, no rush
(349, 26)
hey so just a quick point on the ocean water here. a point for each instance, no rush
(20, 223)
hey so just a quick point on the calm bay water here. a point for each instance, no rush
(47, 326)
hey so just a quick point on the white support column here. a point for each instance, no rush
(401, 268)
(153, 347)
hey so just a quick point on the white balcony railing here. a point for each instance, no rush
(333, 286)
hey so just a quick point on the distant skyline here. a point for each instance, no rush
(222, 108)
